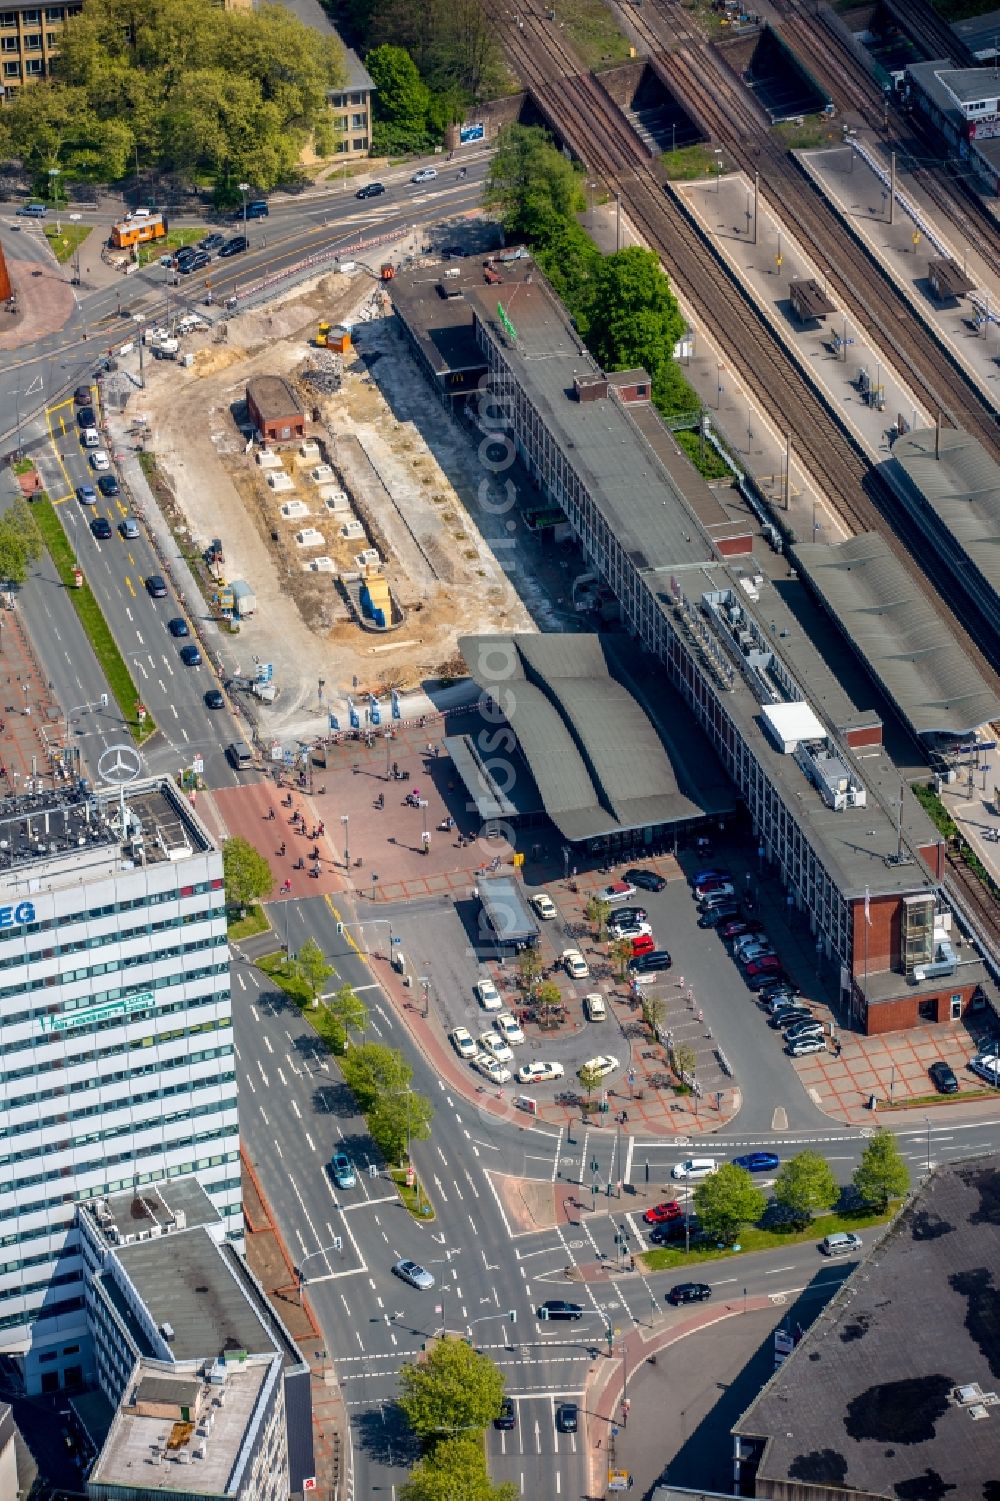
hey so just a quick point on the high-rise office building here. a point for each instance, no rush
(116, 1048)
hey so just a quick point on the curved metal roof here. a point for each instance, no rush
(599, 764)
(922, 667)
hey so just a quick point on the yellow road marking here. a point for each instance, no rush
(347, 932)
(55, 449)
(63, 499)
(130, 586)
(60, 404)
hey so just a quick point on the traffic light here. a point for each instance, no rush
(513, 1315)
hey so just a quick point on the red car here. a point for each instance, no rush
(644, 944)
(660, 1213)
(738, 925)
(765, 965)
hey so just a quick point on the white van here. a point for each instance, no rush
(694, 1169)
(594, 1008)
(90, 437)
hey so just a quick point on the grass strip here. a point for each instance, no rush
(754, 1239)
(415, 1199)
(96, 628)
(254, 920)
(64, 239)
(153, 249)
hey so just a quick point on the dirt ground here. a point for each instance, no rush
(439, 568)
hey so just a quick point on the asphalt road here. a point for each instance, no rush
(294, 1115)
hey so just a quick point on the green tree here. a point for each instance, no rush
(379, 1077)
(454, 1388)
(455, 1470)
(685, 1059)
(348, 1010)
(654, 1009)
(531, 186)
(881, 1174)
(247, 876)
(529, 967)
(804, 1184)
(620, 952)
(549, 997)
(570, 259)
(313, 968)
(634, 320)
(402, 99)
(726, 1200)
(20, 542)
(599, 913)
(590, 1076)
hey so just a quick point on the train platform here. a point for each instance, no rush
(950, 288)
(830, 348)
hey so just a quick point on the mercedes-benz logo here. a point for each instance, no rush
(119, 764)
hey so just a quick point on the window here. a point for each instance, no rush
(956, 1008)
(9, 44)
(54, 13)
(51, 40)
(357, 98)
(8, 18)
(358, 122)
(30, 17)
(360, 144)
(33, 41)
(12, 70)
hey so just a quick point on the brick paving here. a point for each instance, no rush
(31, 722)
(44, 302)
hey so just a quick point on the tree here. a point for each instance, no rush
(401, 100)
(531, 186)
(590, 1076)
(620, 953)
(454, 1388)
(20, 542)
(348, 1010)
(570, 259)
(455, 1470)
(599, 913)
(529, 967)
(881, 1174)
(379, 1077)
(726, 1200)
(634, 321)
(804, 1184)
(312, 967)
(548, 997)
(685, 1060)
(248, 877)
(653, 1011)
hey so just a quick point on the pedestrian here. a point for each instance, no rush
(624, 1117)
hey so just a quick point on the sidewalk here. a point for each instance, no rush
(30, 720)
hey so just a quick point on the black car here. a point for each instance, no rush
(191, 656)
(507, 1416)
(83, 396)
(214, 699)
(649, 880)
(235, 246)
(195, 263)
(371, 190)
(774, 988)
(185, 253)
(689, 1292)
(943, 1078)
(566, 1417)
(628, 914)
(716, 916)
(674, 1230)
(648, 964)
(558, 1308)
(86, 416)
(762, 981)
(108, 485)
(790, 1017)
(101, 528)
(156, 587)
(212, 242)
(178, 626)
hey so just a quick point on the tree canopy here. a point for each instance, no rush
(805, 1183)
(313, 968)
(380, 1078)
(456, 1470)
(453, 1388)
(881, 1174)
(247, 875)
(20, 542)
(533, 188)
(726, 1200)
(182, 86)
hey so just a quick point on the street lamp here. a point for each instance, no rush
(927, 1123)
(244, 190)
(718, 169)
(99, 703)
(425, 985)
(337, 1244)
(345, 820)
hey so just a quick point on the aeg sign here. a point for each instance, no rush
(13, 917)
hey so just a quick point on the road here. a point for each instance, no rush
(294, 1114)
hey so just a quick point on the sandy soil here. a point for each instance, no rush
(438, 565)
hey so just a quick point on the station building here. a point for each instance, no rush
(116, 1045)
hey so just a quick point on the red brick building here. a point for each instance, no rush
(275, 410)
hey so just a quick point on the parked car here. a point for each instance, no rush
(789, 1017)
(762, 975)
(508, 1028)
(717, 917)
(82, 395)
(343, 1172)
(712, 899)
(630, 914)
(773, 1004)
(649, 880)
(775, 988)
(566, 1417)
(595, 1008)
(488, 996)
(735, 927)
(413, 1273)
(426, 174)
(491, 1068)
(618, 891)
(86, 417)
(108, 486)
(558, 1308)
(651, 963)
(628, 927)
(714, 886)
(235, 246)
(90, 437)
(101, 528)
(755, 951)
(461, 1040)
(539, 1073)
(986, 1066)
(506, 1418)
(758, 1162)
(575, 964)
(711, 873)
(748, 941)
(689, 1292)
(494, 1044)
(603, 1064)
(212, 241)
(643, 943)
(683, 1228)
(943, 1078)
(99, 460)
(806, 1046)
(190, 656)
(544, 907)
(801, 1031)
(371, 190)
(693, 1169)
(658, 1214)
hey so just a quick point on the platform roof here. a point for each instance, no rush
(948, 278)
(809, 299)
(907, 646)
(961, 485)
(599, 764)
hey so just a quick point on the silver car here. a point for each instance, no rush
(413, 1273)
